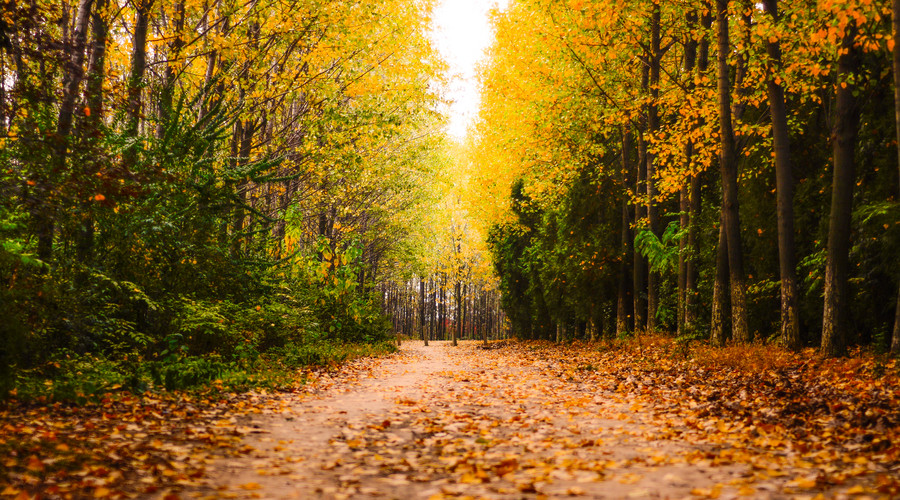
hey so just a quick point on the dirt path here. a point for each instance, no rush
(441, 421)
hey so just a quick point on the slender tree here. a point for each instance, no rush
(654, 61)
(625, 302)
(835, 317)
(728, 169)
(895, 53)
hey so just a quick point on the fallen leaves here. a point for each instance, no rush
(519, 418)
(125, 445)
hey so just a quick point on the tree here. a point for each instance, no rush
(895, 52)
(790, 320)
(835, 318)
(728, 170)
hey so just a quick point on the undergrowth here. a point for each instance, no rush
(81, 379)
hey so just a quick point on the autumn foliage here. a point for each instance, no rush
(721, 170)
(187, 186)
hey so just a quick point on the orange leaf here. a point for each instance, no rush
(35, 464)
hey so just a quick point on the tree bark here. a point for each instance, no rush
(442, 315)
(684, 201)
(422, 325)
(73, 76)
(458, 314)
(136, 78)
(625, 302)
(167, 92)
(837, 265)
(784, 187)
(639, 271)
(895, 339)
(717, 331)
(655, 58)
(728, 171)
(691, 271)
(43, 213)
(93, 118)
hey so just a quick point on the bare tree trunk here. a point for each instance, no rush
(691, 272)
(422, 325)
(442, 316)
(837, 265)
(457, 316)
(717, 330)
(625, 301)
(89, 125)
(728, 170)
(654, 280)
(136, 78)
(43, 212)
(784, 186)
(684, 202)
(639, 271)
(895, 340)
(167, 92)
(73, 76)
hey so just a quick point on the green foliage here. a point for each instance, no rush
(661, 252)
(558, 267)
(158, 292)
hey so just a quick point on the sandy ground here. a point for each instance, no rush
(456, 422)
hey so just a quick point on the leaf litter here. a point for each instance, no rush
(520, 420)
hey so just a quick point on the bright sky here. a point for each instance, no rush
(462, 33)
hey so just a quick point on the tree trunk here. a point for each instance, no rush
(691, 272)
(895, 340)
(422, 324)
(89, 124)
(654, 280)
(167, 92)
(846, 128)
(431, 309)
(73, 77)
(784, 186)
(43, 215)
(684, 202)
(717, 332)
(458, 315)
(639, 272)
(728, 170)
(442, 316)
(625, 300)
(136, 78)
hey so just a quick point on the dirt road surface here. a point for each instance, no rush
(458, 422)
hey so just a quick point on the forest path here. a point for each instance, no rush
(443, 421)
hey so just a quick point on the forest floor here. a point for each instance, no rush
(643, 419)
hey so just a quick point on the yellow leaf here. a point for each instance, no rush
(250, 486)
(803, 482)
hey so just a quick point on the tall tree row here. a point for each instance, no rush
(167, 166)
(692, 146)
